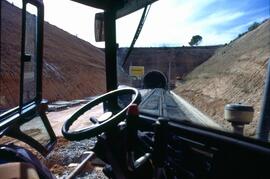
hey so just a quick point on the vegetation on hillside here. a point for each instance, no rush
(253, 26)
(195, 40)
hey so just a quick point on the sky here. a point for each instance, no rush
(169, 22)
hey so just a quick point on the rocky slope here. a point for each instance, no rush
(72, 68)
(235, 73)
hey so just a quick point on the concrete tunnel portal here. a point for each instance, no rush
(155, 79)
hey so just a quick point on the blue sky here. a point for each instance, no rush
(242, 13)
(174, 22)
(169, 23)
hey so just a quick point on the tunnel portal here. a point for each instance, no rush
(155, 79)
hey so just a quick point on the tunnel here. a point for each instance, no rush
(155, 79)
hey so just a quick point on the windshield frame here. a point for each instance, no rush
(39, 52)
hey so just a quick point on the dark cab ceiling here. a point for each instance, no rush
(123, 7)
(101, 4)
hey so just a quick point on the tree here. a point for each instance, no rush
(195, 40)
(253, 26)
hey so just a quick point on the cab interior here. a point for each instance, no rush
(137, 135)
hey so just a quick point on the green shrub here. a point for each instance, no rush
(253, 26)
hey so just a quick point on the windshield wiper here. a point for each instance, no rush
(138, 31)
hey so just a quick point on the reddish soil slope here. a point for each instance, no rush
(72, 68)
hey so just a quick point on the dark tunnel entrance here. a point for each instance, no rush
(155, 79)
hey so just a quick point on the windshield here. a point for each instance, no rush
(30, 52)
(73, 70)
(202, 56)
(197, 61)
(10, 54)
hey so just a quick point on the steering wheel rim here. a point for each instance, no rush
(98, 128)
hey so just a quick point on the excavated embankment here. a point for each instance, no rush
(235, 73)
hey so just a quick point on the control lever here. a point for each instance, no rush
(132, 118)
(94, 120)
(160, 147)
(161, 142)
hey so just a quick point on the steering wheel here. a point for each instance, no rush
(96, 129)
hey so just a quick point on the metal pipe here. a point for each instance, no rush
(169, 75)
(264, 123)
(0, 42)
(110, 49)
(110, 55)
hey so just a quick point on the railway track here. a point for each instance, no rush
(165, 103)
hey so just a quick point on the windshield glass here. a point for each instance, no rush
(10, 54)
(189, 62)
(30, 54)
(73, 69)
(195, 58)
